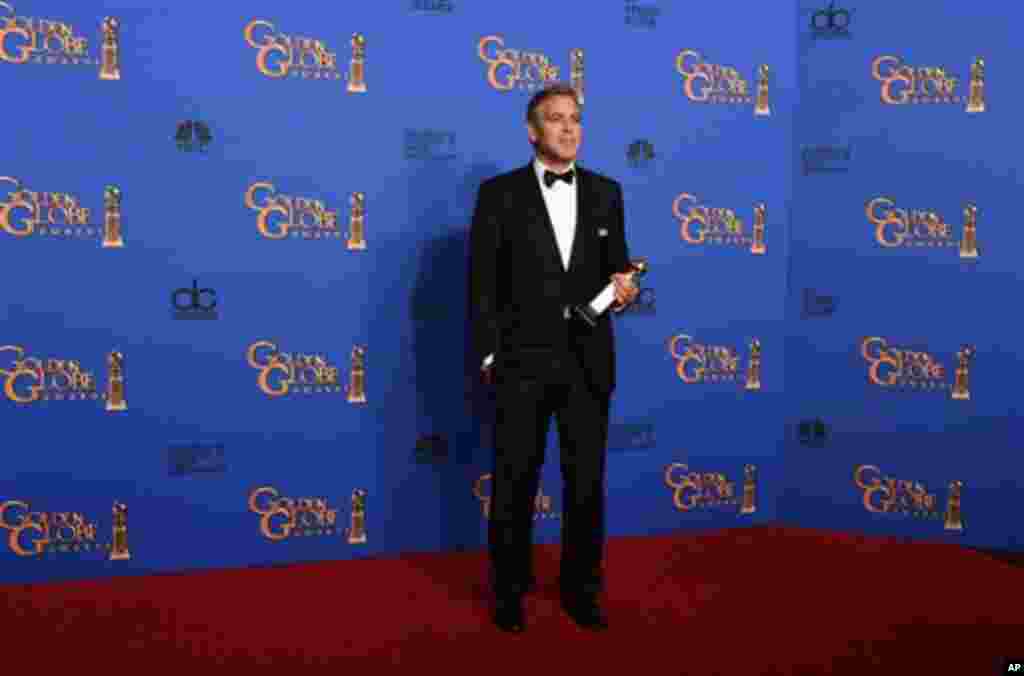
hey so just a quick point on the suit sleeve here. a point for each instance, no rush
(618, 250)
(483, 265)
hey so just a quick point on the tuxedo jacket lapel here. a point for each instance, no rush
(546, 236)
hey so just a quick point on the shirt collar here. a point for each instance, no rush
(539, 168)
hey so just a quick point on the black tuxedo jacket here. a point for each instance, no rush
(519, 287)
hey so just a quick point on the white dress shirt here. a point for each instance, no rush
(560, 200)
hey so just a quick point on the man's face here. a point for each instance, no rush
(556, 130)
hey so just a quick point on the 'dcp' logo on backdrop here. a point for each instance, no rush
(706, 82)
(51, 42)
(36, 533)
(49, 379)
(709, 490)
(913, 369)
(24, 213)
(702, 225)
(906, 84)
(279, 56)
(883, 494)
(527, 70)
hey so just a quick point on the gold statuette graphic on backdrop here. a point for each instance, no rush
(576, 69)
(762, 107)
(921, 228)
(119, 545)
(357, 222)
(962, 382)
(357, 376)
(357, 65)
(699, 363)
(701, 225)
(115, 382)
(976, 98)
(357, 525)
(749, 489)
(112, 218)
(110, 64)
(906, 84)
(953, 520)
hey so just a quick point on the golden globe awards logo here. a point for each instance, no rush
(888, 495)
(50, 42)
(527, 70)
(33, 379)
(923, 228)
(701, 225)
(282, 517)
(904, 83)
(280, 216)
(31, 533)
(712, 83)
(908, 369)
(279, 55)
(542, 505)
(710, 490)
(283, 373)
(58, 215)
(700, 363)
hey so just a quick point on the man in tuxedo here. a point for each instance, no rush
(546, 239)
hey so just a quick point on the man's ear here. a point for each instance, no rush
(531, 133)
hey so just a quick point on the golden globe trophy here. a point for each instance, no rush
(749, 489)
(590, 313)
(119, 546)
(954, 520)
(112, 218)
(962, 384)
(357, 523)
(754, 366)
(110, 55)
(357, 65)
(357, 222)
(976, 98)
(969, 242)
(761, 108)
(357, 376)
(757, 243)
(576, 70)
(478, 491)
(115, 382)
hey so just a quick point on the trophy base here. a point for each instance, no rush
(748, 510)
(117, 406)
(969, 254)
(753, 386)
(762, 112)
(356, 245)
(357, 399)
(757, 250)
(113, 243)
(976, 108)
(956, 527)
(120, 556)
(584, 313)
(356, 88)
(357, 540)
(962, 396)
(116, 75)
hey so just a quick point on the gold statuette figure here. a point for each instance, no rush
(969, 243)
(757, 243)
(485, 500)
(754, 367)
(954, 520)
(357, 66)
(762, 107)
(112, 218)
(115, 382)
(962, 384)
(749, 489)
(976, 98)
(357, 222)
(576, 70)
(357, 525)
(110, 57)
(119, 546)
(357, 376)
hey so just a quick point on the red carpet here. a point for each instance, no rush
(752, 601)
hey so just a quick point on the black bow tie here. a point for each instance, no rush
(550, 177)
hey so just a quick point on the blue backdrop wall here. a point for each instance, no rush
(285, 320)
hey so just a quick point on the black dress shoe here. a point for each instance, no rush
(585, 611)
(508, 614)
